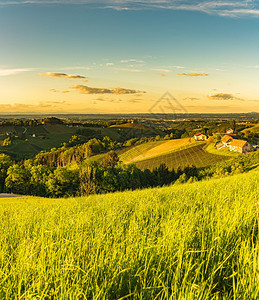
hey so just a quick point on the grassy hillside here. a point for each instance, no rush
(135, 151)
(195, 155)
(148, 150)
(157, 149)
(191, 241)
(254, 129)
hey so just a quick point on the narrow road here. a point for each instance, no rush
(9, 195)
(25, 129)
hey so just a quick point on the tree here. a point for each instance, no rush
(7, 142)
(18, 180)
(5, 163)
(111, 159)
(88, 184)
(163, 174)
(63, 182)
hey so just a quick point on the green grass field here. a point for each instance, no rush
(190, 241)
(192, 155)
(133, 152)
(155, 149)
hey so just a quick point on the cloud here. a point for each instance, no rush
(109, 64)
(131, 60)
(227, 8)
(57, 102)
(193, 74)
(223, 96)
(21, 107)
(162, 70)
(107, 100)
(62, 75)
(57, 91)
(134, 100)
(129, 70)
(191, 99)
(8, 72)
(83, 89)
(178, 67)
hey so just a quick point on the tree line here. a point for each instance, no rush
(85, 178)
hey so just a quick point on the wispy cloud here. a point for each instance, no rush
(223, 96)
(54, 90)
(227, 8)
(191, 99)
(131, 60)
(134, 70)
(57, 91)
(83, 89)
(62, 75)
(107, 100)
(193, 74)
(37, 107)
(8, 72)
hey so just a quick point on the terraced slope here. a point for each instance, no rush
(195, 155)
(160, 148)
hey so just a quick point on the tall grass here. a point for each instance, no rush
(191, 241)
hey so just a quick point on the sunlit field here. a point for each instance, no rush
(190, 241)
(161, 148)
(195, 155)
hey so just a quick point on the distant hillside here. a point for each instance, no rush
(187, 241)
(27, 141)
(129, 130)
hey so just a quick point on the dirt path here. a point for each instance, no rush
(9, 195)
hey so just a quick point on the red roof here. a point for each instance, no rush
(197, 134)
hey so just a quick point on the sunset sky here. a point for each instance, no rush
(82, 56)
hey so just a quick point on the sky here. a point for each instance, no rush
(114, 56)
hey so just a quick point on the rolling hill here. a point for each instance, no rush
(154, 149)
(190, 241)
(195, 155)
(254, 129)
(26, 146)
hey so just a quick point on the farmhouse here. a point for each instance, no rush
(240, 146)
(200, 136)
(227, 139)
(232, 142)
